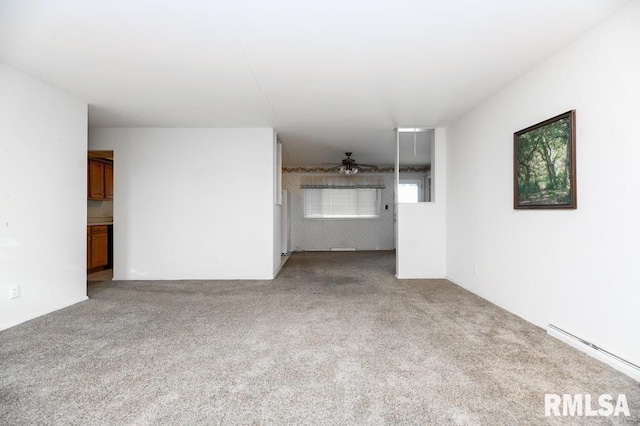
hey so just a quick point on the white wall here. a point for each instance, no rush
(277, 204)
(315, 234)
(191, 203)
(421, 251)
(277, 227)
(575, 269)
(43, 198)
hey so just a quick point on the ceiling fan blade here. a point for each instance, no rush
(366, 165)
(331, 164)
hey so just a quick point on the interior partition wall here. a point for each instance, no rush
(421, 226)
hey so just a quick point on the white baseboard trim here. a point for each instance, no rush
(412, 277)
(596, 352)
(41, 313)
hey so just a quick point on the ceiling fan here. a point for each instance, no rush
(348, 166)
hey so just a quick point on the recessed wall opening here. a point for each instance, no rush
(415, 146)
(100, 192)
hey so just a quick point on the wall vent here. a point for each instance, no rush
(627, 367)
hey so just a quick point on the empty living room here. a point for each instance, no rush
(319, 212)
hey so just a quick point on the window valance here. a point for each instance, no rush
(341, 182)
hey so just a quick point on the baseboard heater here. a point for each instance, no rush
(343, 249)
(597, 352)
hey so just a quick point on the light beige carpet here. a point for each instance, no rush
(335, 339)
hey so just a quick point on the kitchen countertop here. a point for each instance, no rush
(91, 221)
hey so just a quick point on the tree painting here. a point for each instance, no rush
(544, 164)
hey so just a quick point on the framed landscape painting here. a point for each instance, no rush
(544, 164)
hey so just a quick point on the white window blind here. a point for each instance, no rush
(330, 203)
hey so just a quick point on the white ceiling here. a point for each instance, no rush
(331, 76)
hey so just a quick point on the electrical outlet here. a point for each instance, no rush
(14, 291)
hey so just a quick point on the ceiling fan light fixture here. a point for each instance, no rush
(348, 170)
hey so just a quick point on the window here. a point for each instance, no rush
(410, 190)
(330, 203)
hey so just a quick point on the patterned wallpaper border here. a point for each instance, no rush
(367, 170)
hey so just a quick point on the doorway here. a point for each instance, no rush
(100, 194)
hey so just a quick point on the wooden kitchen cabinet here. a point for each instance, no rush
(100, 180)
(108, 181)
(96, 180)
(97, 246)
